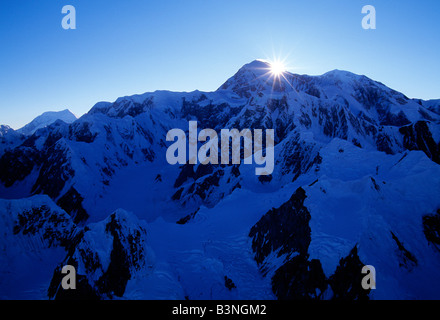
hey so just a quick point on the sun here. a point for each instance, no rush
(277, 68)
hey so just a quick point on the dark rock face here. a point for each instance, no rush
(55, 229)
(235, 171)
(118, 273)
(383, 143)
(278, 104)
(123, 107)
(286, 231)
(265, 179)
(95, 279)
(198, 183)
(81, 132)
(333, 121)
(431, 228)
(406, 258)
(203, 170)
(17, 164)
(390, 119)
(297, 156)
(186, 172)
(71, 202)
(54, 172)
(178, 194)
(283, 124)
(346, 282)
(372, 97)
(307, 84)
(418, 137)
(213, 116)
(204, 187)
(369, 95)
(229, 284)
(135, 108)
(299, 279)
(187, 218)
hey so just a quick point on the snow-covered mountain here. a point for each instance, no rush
(46, 119)
(356, 182)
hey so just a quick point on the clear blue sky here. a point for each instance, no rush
(127, 47)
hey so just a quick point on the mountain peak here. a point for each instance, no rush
(257, 64)
(256, 76)
(46, 119)
(343, 75)
(4, 129)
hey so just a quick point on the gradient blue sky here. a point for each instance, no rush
(133, 46)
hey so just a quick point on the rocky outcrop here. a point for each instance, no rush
(346, 282)
(37, 219)
(284, 232)
(431, 228)
(419, 137)
(17, 164)
(106, 256)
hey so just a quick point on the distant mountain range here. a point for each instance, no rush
(10, 138)
(356, 182)
(47, 118)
